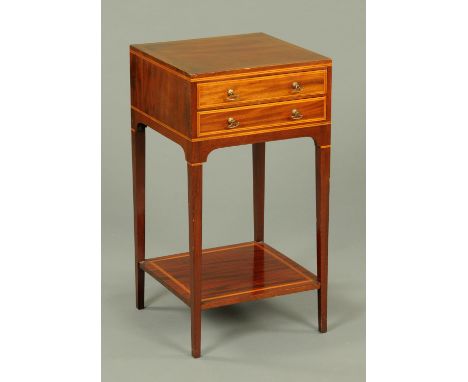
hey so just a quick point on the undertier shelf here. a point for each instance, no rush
(233, 274)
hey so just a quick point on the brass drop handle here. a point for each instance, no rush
(296, 87)
(232, 123)
(295, 114)
(231, 95)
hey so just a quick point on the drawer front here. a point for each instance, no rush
(262, 89)
(279, 114)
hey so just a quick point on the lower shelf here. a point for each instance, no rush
(233, 274)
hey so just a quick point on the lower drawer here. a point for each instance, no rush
(261, 116)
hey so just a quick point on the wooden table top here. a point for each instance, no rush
(229, 54)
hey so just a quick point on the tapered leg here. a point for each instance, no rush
(195, 180)
(138, 161)
(322, 173)
(258, 164)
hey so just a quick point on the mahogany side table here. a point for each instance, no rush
(210, 93)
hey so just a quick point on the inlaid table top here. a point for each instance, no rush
(229, 54)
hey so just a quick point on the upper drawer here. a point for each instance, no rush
(261, 89)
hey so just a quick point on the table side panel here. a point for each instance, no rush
(161, 94)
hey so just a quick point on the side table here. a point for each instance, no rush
(210, 93)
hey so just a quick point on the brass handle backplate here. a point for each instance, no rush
(296, 87)
(231, 95)
(295, 114)
(232, 123)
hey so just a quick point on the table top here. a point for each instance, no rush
(229, 54)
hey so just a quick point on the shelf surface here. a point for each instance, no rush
(233, 274)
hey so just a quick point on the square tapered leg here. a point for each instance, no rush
(195, 179)
(258, 165)
(138, 162)
(322, 172)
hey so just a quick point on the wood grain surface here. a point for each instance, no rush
(229, 54)
(233, 274)
(160, 94)
(261, 89)
(262, 116)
